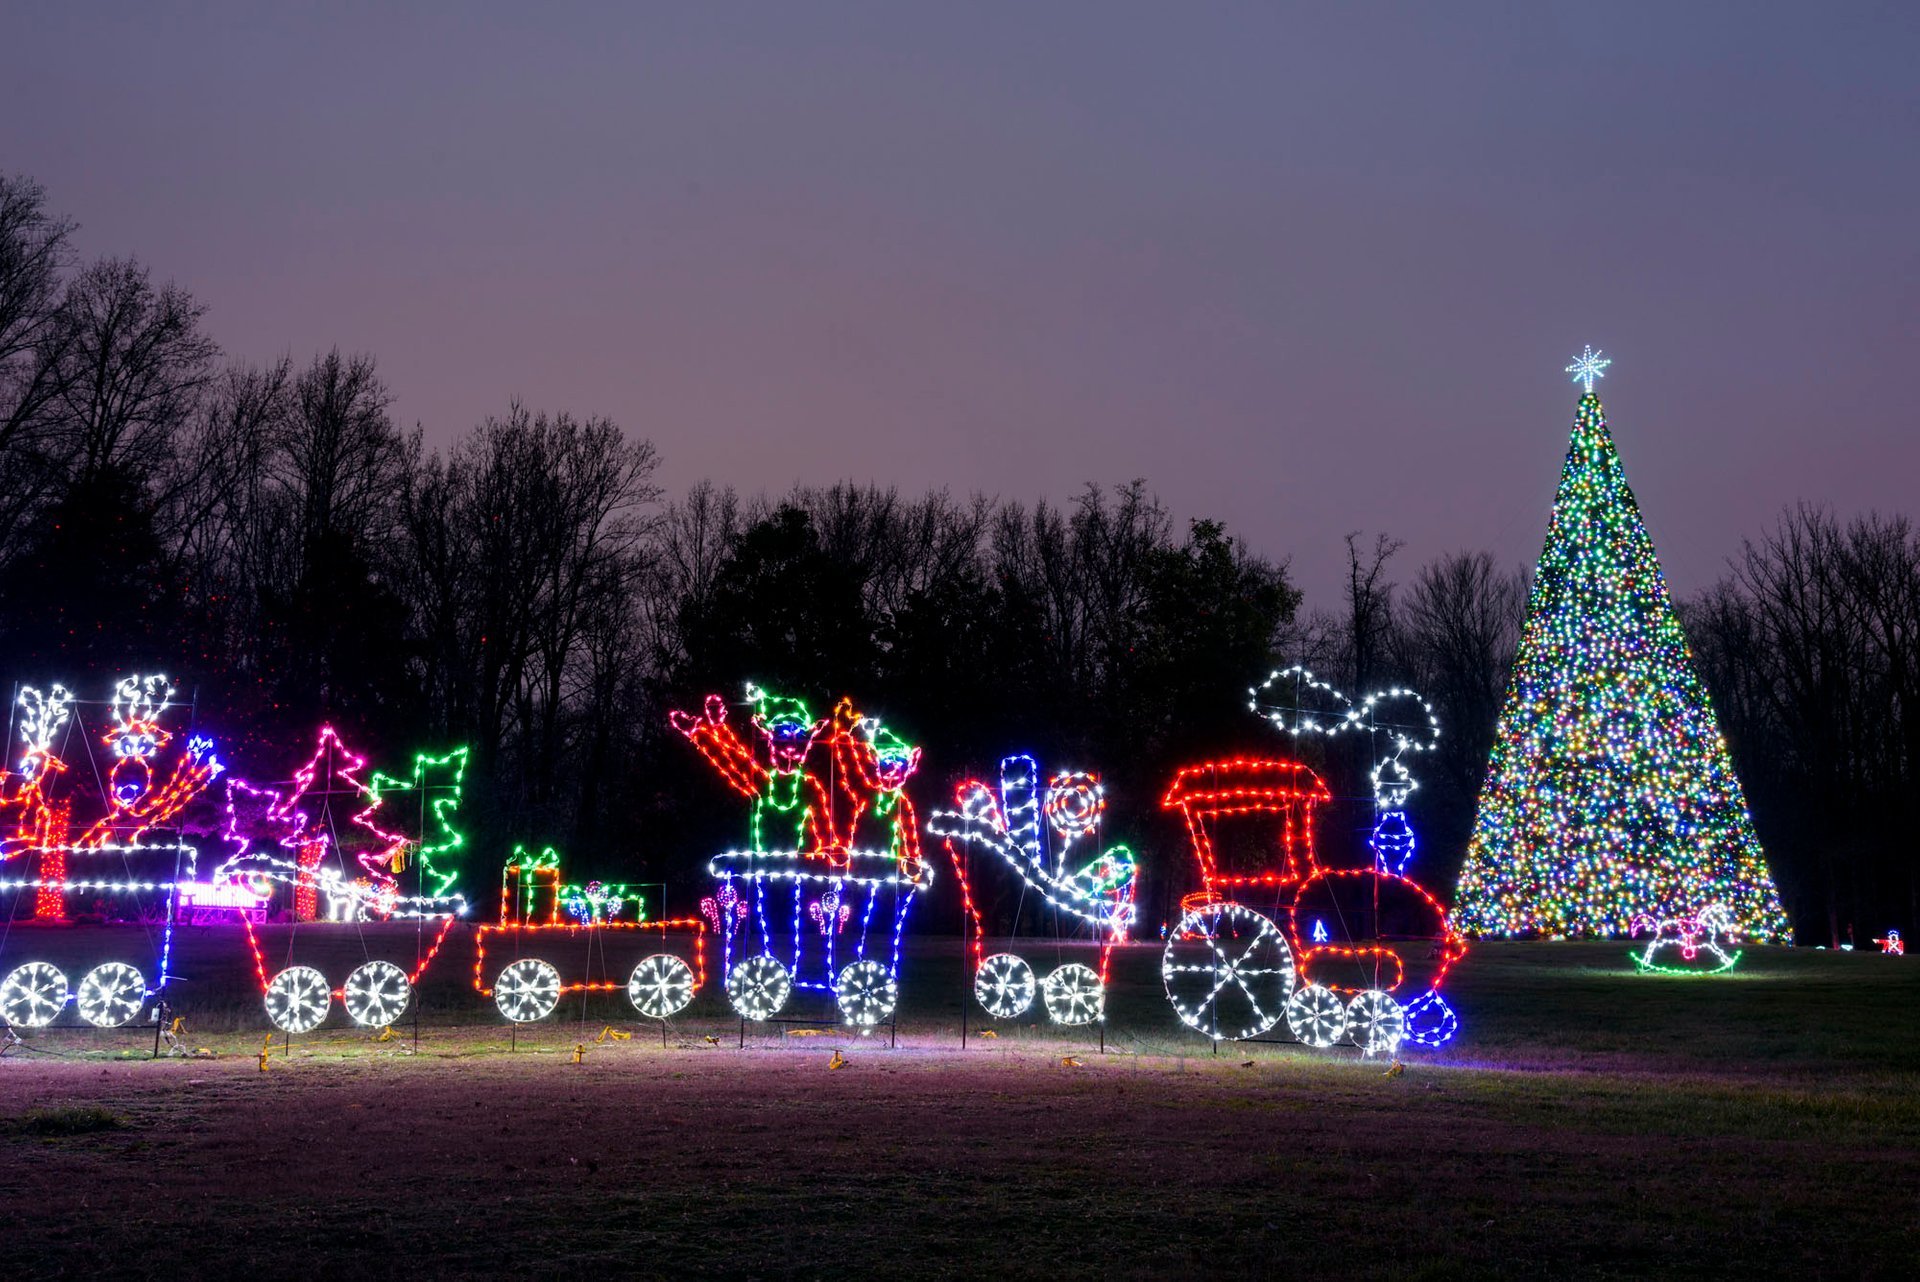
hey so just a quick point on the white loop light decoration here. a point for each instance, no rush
(376, 994)
(1228, 971)
(527, 990)
(32, 995)
(111, 994)
(1005, 985)
(660, 986)
(1074, 994)
(297, 999)
(866, 994)
(1376, 1022)
(1317, 1016)
(759, 987)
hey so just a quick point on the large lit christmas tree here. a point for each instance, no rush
(1610, 796)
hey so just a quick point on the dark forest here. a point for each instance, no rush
(274, 540)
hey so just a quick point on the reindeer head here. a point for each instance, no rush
(135, 736)
(42, 717)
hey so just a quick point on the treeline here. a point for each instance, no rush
(1812, 647)
(276, 542)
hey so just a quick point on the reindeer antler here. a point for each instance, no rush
(42, 716)
(138, 701)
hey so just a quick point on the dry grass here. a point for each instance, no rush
(1591, 1122)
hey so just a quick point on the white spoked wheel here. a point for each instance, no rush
(1376, 1022)
(31, 996)
(111, 994)
(866, 994)
(527, 990)
(377, 993)
(660, 986)
(297, 999)
(1317, 1016)
(1073, 994)
(1004, 986)
(759, 987)
(1228, 972)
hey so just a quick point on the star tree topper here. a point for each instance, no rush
(1589, 365)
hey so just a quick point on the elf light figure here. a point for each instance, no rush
(804, 907)
(872, 766)
(790, 808)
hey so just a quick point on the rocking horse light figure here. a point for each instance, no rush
(1695, 945)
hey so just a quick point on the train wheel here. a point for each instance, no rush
(377, 993)
(1317, 1016)
(527, 990)
(297, 999)
(866, 993)
(660, 986)
(1004, 986)
(759, 987)
(111, 994)
(33, 995)
(1376, 1022)
(1073, 994)
(1228, 971)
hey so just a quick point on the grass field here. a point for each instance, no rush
(1589, 1122)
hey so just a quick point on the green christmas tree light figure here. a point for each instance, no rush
(1610, 796)
(435, 788)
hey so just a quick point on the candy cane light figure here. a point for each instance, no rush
(1043, 833)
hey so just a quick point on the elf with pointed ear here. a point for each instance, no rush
(790, 807)
(873, 765)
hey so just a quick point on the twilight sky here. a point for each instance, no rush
(1308, 269)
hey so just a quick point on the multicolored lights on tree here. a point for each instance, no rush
(1611, 795)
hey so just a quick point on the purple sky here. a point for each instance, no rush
(1307, 271)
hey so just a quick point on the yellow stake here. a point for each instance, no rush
(838, 1060)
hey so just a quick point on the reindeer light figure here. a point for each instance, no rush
(42, 823)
